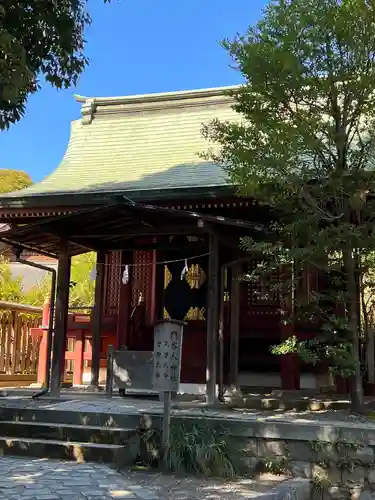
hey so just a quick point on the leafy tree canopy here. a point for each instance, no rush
(10, 287)
(81, 293)
(38, 39)
(13, 180)
(304, 145)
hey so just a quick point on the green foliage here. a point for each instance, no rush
(81, 294)
(10, 288)
(13, 180)
(38, 293)
(198, 449)
(275, 465)
(304, 145)
(82, 291)
(42, 39)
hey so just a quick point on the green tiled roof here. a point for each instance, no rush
(138, 143)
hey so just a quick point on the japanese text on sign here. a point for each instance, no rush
(167, 356)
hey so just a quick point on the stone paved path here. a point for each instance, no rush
(42, 479)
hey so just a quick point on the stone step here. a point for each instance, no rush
(119, 455)
(67, 432)
(54, 415)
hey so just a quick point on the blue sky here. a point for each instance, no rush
(135, 47)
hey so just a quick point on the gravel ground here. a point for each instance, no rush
(192, 488)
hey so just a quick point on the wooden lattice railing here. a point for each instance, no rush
(18, 348)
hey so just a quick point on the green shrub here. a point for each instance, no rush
(196, 449)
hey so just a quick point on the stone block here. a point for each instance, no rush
(371, 476)
(270, 404)
(336, 493)
(360, 434)
(300, 450)
(293, 489)
(251, 464)
(324, 452)
(239, 428)
(251, 448)
(354, 475)
(367, 495)
(313, 431)
(316, 494)
(316, 406)
(360, 455)
(271, 448)
(298, 468)
(133, 370)
(355, 493)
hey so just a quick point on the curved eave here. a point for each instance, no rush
(156, 97)
(68, 199)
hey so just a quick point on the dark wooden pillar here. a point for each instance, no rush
(152, 289)
(124, 308)
(61, 319)
(212, 317)
(234, 326)
(159, 286)
(97, 319)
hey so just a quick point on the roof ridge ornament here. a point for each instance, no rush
(87, 111)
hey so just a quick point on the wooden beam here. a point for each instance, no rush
(160, 247)
(234, 326)
(25, 246)
(132, 232)
(212, 317)
(217, 219)
(61, 319)
(97, 319)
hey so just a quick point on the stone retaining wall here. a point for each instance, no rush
(339, 458)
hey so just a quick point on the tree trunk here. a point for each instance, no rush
(369, 335)
(370, 354)
(356, 388)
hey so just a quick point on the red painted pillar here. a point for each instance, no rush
(125, 305)
(78, 357)
(46, 312)
(42, 359)
(42, 333)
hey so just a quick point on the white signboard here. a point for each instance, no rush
(167, 356)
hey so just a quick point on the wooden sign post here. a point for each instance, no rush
(166, 370)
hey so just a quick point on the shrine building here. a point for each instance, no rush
(166, 226)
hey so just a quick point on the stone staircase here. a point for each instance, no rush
(70, 435)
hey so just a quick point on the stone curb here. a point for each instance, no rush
(292, 489)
